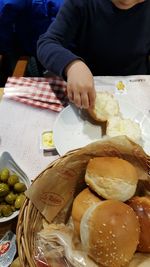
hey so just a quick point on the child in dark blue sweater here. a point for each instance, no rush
(96, 37)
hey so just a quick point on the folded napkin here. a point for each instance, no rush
(48, 93)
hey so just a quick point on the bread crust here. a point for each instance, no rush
(81, 203)
(141, 206)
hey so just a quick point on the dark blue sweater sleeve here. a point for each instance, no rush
(52, 48)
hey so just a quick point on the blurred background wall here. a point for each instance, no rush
(21, 23)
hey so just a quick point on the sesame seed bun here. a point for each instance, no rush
(81, 203)
(111, 177)
(110, 233)
(105, 106)
(141, 206)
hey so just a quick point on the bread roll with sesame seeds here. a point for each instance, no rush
(81, 203)
(141, 206)
(111, 177)
(105, 106)
(110, 233)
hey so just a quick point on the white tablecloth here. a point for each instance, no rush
(136, 90)
(20, 129)
(21, 125)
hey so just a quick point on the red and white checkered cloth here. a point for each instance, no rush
(48, 93)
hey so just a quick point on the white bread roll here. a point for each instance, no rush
(118, 126)
(105, 106)
(110, 233)
(111, 177)
(81, 203)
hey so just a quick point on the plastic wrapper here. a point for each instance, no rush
(51, 253)
(7, 249)
(57, 247)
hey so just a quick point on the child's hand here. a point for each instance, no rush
(80, 84)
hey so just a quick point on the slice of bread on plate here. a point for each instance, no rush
(120, 126)
(105, 106)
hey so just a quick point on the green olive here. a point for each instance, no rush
(19, 201)
(10, 198)
(4, 175)
(6, 210)
(10, 201)
(4, 189)
(13, 179)
(13, 208)
(20, 187)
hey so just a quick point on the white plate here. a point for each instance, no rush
(72, 129)
(6, 161)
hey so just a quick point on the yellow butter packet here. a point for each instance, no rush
(47, 142)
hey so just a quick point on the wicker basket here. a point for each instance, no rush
(30, 221)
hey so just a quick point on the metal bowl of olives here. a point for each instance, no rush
(13, 184)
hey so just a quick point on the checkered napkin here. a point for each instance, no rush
(48, 93)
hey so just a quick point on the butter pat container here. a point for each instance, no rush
(46, 140)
